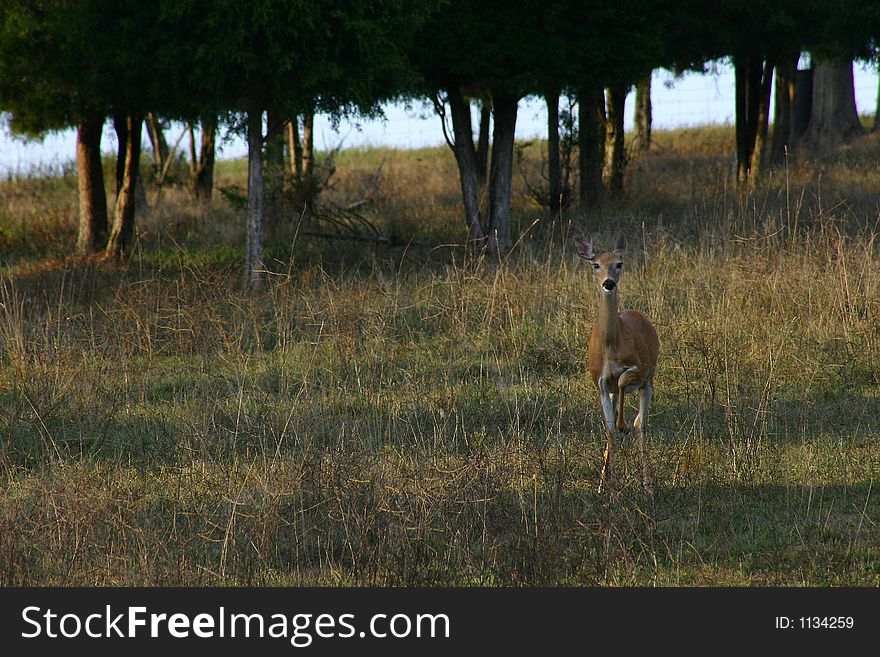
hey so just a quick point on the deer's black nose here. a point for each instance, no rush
(608, 284)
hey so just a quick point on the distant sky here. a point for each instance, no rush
(677, 102)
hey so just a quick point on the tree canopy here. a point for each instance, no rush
(63, 62)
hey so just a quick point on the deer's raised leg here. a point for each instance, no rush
(624, 380)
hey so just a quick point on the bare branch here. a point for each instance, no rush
(440, 107)
(171, 153)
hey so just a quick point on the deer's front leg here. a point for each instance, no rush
(605, 399)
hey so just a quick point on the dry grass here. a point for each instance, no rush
(419, 416)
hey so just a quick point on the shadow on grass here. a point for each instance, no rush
(822, 415)
(352, 520)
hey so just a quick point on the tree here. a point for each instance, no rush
(461, 142)
(784, 134)
(615, 158)
(833, 118)
(274, 167)
(254, 267)
(73, 64)
(458, 59)
(591, 144)
(64, 63)
(482, 153)
(643, 115)
(754, 53)
(37, 86)
(127, 89)
(752, 36)
(876, 125)
(843, 32)
(285, 57)
(759, 36)
(501, 173)
(555, 196)
(202, 162)
(123, 214)
(603, 45)
(753, 80)
(478, 49)
(156, 133)
(302, 161)
(92, 227)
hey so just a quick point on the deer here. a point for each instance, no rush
(622, 355)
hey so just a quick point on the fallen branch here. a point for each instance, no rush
(379, 239)
(356, 204)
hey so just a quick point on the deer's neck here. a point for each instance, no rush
(607, 323)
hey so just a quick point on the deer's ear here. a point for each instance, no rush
(584, 249)
(620, 244)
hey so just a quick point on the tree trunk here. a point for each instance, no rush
(273, 170)
(141, 206)
(643, 116)
(254, 267)
(92, 228)
(157, 141)
(501, 173)
(591, 141)
(803, 103)
(203, 180)
(465, 157)
(308, 143)
(120, 125)
(833, 119)
(295, 147)
(783, 124)
(555, 200)
(567, 143)
(740, 70)
(193, 154)
(749, 85)
(877, 109)
(762, 120)
(615, 156)
(302, 163)
(124, 212)
(483, 141)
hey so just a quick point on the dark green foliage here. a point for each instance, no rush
(699, 31)
(521, 48)
(61, 61)
(36, 82)
(293, 54)
(605, 43)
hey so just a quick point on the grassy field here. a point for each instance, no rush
(414, 415)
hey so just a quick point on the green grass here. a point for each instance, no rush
(423, 416)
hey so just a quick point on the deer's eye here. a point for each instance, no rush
(619, 265)
(595, 265)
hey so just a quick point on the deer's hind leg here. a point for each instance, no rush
(645, 394)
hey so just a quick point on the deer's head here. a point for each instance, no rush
(606, 267)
